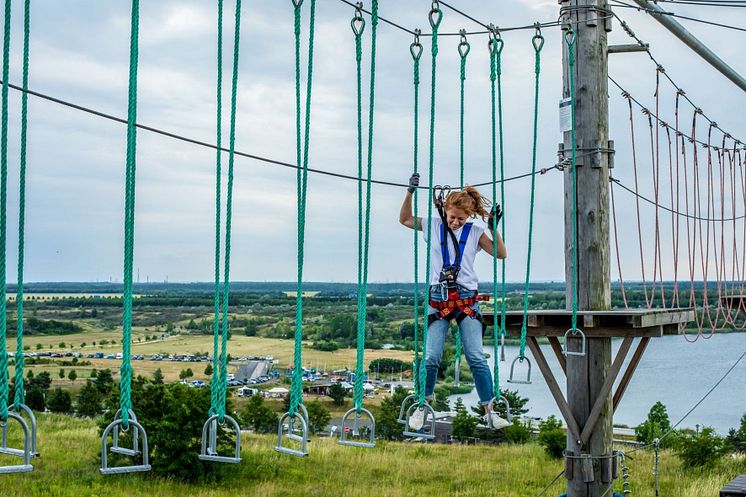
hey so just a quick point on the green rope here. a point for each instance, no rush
(214, 383)
(20, 394)
(416, 50)
(434, 23)
(363, 287)
(538, 43)
(358, 26)
(125, 370)
(570, 40)
(3, 201)
(296, 388)
(463, 51)
(228, 219)
(495, 45)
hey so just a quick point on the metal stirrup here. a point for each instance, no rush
(355, 429)
(145, 466)
(25, 453)
(566, 350)
(403, 409)
(491, 408)
(115, 448)
(31, 423)
(527, 381)
(210, 441)
(428, 421)
(282, 434)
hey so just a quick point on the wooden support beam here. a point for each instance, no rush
(603, 395)
(557, 348)
(546, 371)
(630, 371)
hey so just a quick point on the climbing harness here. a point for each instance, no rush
(538, 42)
(574, 330)
(218, 420)
(294, 424)
(358, 417)
(125, 422)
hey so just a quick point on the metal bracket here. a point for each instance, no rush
(115, 448)
(572, 332)
(26, 453)
(527, 381)
(429, 421)
(355, 428)
(289, 433)
(145, 466)
(31, 423)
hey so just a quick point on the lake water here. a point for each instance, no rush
(672, 370)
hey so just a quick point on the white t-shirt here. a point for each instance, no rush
(466, 276)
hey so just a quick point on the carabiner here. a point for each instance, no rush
(358, 23)
(538, 39)
(463, 46)
(416, 47)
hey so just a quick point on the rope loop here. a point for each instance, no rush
(463, 46)
(495, 43)
(435, 15)
(538, 39)
(570, 37)
(358, 23)
(416, 47)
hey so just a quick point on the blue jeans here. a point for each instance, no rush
(471, 338)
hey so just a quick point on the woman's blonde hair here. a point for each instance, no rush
(470, 201)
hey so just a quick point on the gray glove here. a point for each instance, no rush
(414, 182)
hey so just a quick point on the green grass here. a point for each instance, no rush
(69, 465)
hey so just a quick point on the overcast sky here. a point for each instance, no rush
(75, 192)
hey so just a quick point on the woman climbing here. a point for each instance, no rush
(454, 282)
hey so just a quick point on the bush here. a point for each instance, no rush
(60, 401)
(655, 426)
(318, 416)
(325, 346)
(259, 416)
(517, 432)
(703, 449)
(552, 437)
(173, 416)
(737, 438)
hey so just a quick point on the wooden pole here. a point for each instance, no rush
(586, 374)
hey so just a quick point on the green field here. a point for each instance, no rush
(69, 464)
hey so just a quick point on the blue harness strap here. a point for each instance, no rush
(461, 245)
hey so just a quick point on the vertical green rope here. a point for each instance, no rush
(363, 289)
(296, 388)
(538, 43)
(434, 23)
(495, 45)
(125, 370)
(416, 50)
(3, 201)
(228, 219)
(570, 40)
(214, 383)
(358, 27)
(463, 51)
(20, 393)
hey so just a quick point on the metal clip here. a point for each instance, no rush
(358, 23)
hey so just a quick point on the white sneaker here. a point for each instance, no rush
(417, 419)
(494, 421)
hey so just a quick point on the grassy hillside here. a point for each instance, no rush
(70, 458)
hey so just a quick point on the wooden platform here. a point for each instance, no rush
(597, 324)
(736, 488)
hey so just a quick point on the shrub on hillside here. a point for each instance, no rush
(703, 449)
(655, 426)
(60, 401)
(259, 416)
(552, 437)
(173, 416)
(737, 438)
(517, 432)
